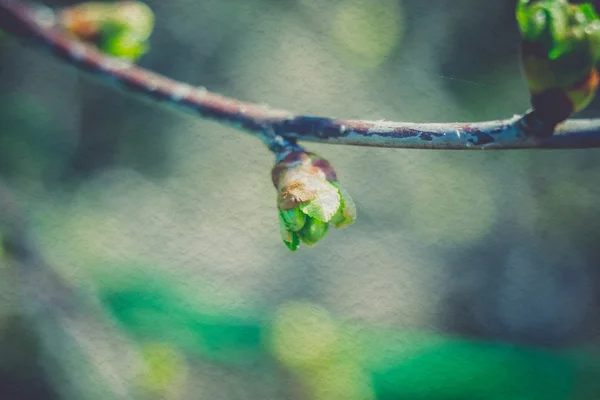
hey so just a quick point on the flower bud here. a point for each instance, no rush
(121, 29)
(560, 49)
(308, 198)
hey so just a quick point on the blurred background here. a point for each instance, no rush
(468, 275)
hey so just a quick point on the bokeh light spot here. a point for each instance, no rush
(368, 30)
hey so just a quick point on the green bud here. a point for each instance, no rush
(313, 231)
(309, 198)
(123, 46)
(137, 17)
(290, 239)
(120, 29)
(560, 49)
(294, 219)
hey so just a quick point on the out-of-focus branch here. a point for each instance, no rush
(71, 327)
(280, 129)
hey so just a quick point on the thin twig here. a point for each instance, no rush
(278, 128)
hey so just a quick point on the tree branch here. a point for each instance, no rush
(280, 129)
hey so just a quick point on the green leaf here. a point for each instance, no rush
(346, 214)
(558, 27)
(294, 243)
(325, 204)
(532, 21)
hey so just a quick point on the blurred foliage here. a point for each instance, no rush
(333, 360)
(165, 371)
(31, 148)
(368, 31)
(469, 275)
(21, 375)
(152, 312)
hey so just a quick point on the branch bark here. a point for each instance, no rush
(279, 129)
